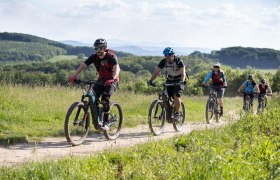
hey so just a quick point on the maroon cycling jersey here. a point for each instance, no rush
(103, 66)
(262, 89)
(217, 79)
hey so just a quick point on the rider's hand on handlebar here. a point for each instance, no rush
(109, 82)
(151, 83)
(72, 79)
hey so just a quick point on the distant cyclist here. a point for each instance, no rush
(264, 90)
(107, 66)
(219, 83)
(250, 88)
(175, 72)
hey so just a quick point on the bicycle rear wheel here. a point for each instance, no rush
(115, 120)
(156, 117)
(76, 124)
(178, 124)
(209, 113)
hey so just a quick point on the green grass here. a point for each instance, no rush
(62, 57)
(247, 149)
(28, 113)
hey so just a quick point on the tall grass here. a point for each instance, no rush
(31, 112)
(248, 149)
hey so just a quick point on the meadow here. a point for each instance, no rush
(246, 149)
(30, 113)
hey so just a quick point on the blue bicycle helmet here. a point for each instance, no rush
(168, 51)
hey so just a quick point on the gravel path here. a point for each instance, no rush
(54, 148)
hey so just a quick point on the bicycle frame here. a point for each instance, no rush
(92, 104)
(168, 108)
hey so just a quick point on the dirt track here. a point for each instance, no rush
(54, 148)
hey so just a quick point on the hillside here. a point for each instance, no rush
(262, 58)
(18, 46)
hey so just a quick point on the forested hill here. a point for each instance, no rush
(18, 46)
(245, 56)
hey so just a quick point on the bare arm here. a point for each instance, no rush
(156, 73)
(80, 68)
(116, 71)
(256, 88)
(241, 87)
(269, 90)
(183, 73)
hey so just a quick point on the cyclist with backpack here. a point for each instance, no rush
(219, 83)
(265, 90)
(175, 73)
(250, 88)
(107, 66)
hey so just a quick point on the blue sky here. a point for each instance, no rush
(207, 24)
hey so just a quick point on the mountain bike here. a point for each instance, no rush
(248, 101)
(77, 120)
(212, 107)
(262, 103)
(163, 109)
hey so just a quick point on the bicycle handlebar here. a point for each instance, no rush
(85, 82)
(212, 86)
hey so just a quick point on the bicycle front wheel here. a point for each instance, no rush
(115, 120)
(76, 124)
(156, 117)
(178, 124)
(209, 113)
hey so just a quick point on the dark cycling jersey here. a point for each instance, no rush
(172, 70)
(104, 66)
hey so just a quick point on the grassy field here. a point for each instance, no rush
(62, 57)
(247, 149)
(28, 113)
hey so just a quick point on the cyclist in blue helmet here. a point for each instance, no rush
(175, 73)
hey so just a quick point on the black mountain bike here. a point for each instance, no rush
(248, 102)
(212, 108)
(77, 120)
(163, 109)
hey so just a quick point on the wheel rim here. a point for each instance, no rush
(156, 118)
(209, 111)
(114, 120)
(178, 125)
(78, 125)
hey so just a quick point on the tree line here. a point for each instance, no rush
(134, 75)
(262, 58)
(24, 47)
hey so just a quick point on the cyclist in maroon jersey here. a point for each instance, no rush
(265, 90)
(107, 66)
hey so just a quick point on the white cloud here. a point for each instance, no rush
(201, 23)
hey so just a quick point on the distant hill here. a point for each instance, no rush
(18, 46)
(242, 57)
(143, 48)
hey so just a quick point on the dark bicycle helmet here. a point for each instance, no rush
(250, 77)
(263, 81)
(101, 42)
(168, 51)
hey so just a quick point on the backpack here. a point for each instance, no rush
(253, 83)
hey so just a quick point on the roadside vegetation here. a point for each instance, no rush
(246, 149)
(30, 113)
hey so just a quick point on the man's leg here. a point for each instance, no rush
(108, 91)
(178, 91)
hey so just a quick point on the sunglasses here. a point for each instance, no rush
(216, 67)
(98, 48)
(167, 55)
